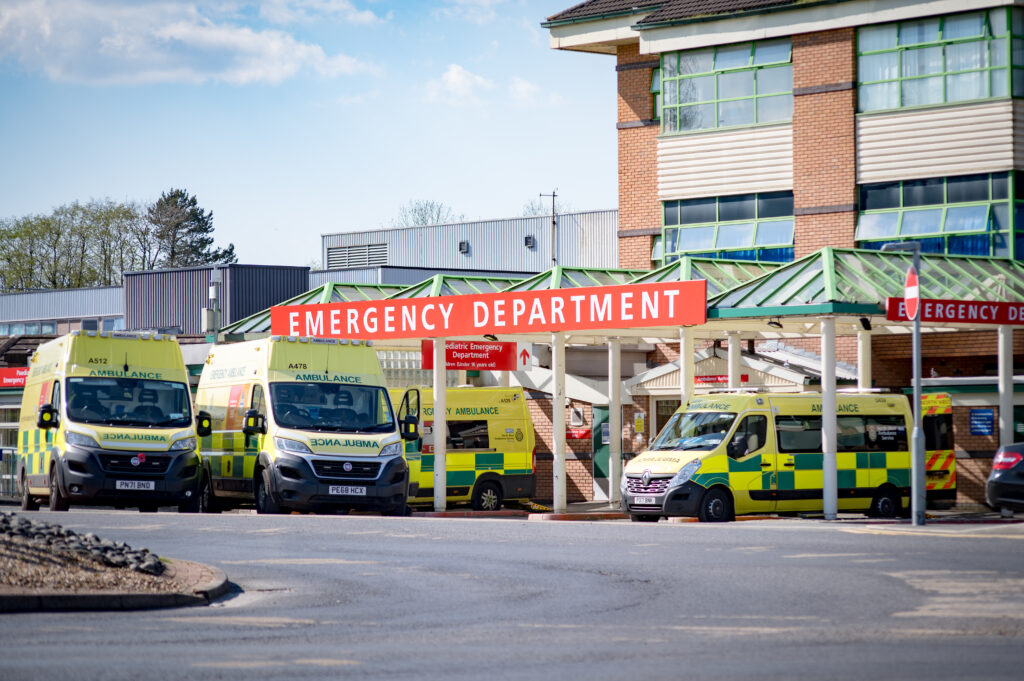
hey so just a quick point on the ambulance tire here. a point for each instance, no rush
(487, 496)
(265, 502)
(58, 502)
(716, 507)
(207, 502)
(28, 502)
(885, 504)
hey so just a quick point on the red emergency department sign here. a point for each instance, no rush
(678, 303)
(958, 312)
(13, 377)
(493, 356)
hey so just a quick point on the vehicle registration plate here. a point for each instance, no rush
(136, 485)
(645, 501)
(346, 489)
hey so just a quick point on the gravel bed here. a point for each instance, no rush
(41, 556)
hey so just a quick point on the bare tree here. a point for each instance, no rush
(425, 212)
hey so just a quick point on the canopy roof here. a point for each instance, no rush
(721, 275)
(575, 277)
(856, 281)
(454, 285)
(330, 292)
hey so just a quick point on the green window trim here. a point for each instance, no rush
(726, 86)
(941, 60)
(766, 228)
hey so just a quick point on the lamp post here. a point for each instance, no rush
(917, 476)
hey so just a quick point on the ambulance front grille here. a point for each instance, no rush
(654, 486)
(122, 463)
(336, 469)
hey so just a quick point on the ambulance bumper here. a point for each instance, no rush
(298, 487)
(105, 476)
(681, 501)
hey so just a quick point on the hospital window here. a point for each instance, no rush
(959, 215)
(941, 60)
(742, 227)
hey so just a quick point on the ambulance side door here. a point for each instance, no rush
(752, 464)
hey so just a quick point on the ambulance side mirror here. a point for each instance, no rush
(254, 423)
(47, 417)
(410, 428)
(204, 424)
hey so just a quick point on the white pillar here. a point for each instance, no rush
(829, 426)
(734, 359)
(614, 420)
(558, 421)
(1005, 343)
(440, 428)
(504, 378)
(687, 367)
(863, 360)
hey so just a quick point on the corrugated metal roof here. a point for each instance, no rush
(450, 285)
(58, 304)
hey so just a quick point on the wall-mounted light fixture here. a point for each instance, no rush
(490, 337)
(463, 247)
(774, 322)
(865, 323)
(530, 241)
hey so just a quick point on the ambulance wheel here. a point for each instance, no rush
(28, 502)
(207, 502)
(487, 497)
(715, 507)
(637, 518)
(58, 502)
(265, 502)
(886, 504)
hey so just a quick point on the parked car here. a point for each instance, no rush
(1005, 488)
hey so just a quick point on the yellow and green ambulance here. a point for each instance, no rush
(106, 418)
(727, 454)
(940, 455)
(490, 446)
(300, 424)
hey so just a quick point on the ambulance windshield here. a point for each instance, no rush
(129, 402)
(698, 430)
(332, 407)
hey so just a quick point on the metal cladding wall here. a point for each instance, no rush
(587, 239)
(76, 303)
(245, 290)
(399, 276)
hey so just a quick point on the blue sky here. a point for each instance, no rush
(293, 118)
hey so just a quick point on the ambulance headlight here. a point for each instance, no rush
(294, 446)
(184, 444)
(79, 439)
(685, 473)
(393, 449)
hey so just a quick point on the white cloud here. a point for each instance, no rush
(116, 42)
(305, 11)
(457, 86)
(476, 11)
(525, 94)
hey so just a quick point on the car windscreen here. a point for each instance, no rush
(332, 407)
(696, 430)
(128, 402)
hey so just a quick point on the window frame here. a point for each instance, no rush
(727, 252)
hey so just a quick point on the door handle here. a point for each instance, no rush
(790, 463)
(765, 465)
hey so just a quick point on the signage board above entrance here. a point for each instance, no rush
(13, 377)
(673, 304)
(485, 355)
(958, 312)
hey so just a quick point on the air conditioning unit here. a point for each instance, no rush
(463, 247)
(530, 241)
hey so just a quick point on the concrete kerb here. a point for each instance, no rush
(199, 585)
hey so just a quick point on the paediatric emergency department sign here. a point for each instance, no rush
(489, 355)
(627, 306)
(13, 377)
(958, 311)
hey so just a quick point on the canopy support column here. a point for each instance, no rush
(440, 427)
(504, 379)
(864, 379)
(1005, 344)
(558, 421)
(829, 425)
(687, 367)
(734, 359)
(614, 420)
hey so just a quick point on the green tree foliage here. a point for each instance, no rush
(92, 244)
(184, 232)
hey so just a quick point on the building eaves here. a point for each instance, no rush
(592, 10)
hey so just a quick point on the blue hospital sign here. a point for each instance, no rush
(982, 422)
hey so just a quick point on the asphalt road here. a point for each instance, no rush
(424, 598)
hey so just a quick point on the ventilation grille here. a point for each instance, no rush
(347, 257)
